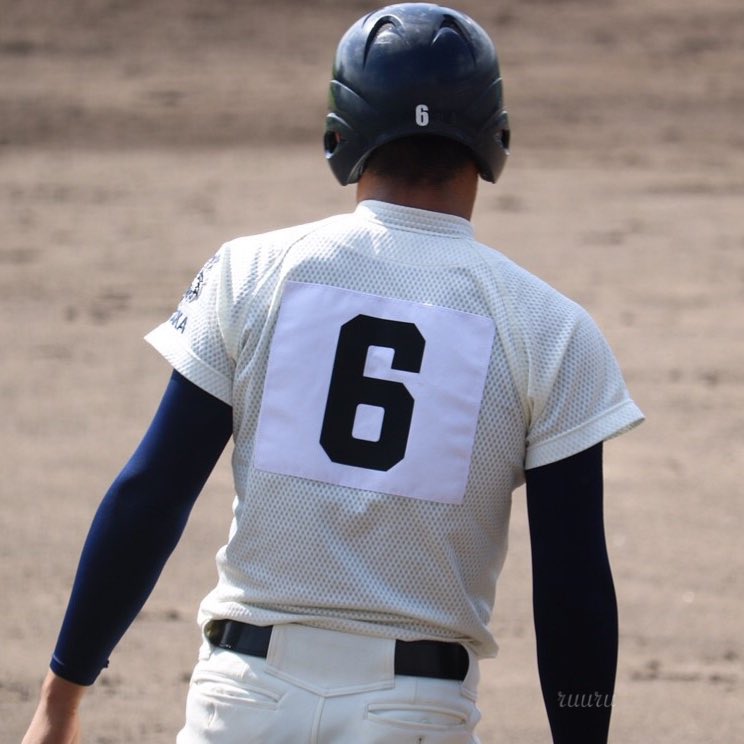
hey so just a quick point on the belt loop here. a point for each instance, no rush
(213, 630)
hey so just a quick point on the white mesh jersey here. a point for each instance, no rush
(391, 379)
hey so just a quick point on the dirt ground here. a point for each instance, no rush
(135, 137)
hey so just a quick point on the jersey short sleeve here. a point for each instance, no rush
(192, 339)
(576, 393)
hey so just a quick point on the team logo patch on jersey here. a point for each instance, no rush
(194, 291)
(373, 392)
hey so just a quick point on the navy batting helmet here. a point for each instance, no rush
(415, 68)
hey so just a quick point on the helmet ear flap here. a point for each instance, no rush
(345, 147)
(331, 141)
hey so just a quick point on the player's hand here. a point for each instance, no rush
(56, 720)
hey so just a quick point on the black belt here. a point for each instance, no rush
(412, 658)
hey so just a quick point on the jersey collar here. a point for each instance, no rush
(410, 218)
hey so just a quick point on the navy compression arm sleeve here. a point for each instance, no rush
(573, 597)
(138, 524)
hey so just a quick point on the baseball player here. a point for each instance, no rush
(387, 381)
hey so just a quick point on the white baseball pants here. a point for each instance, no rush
(324, 687)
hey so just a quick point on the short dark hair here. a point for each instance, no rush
(420, 159)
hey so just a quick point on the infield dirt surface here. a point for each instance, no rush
(136, 137)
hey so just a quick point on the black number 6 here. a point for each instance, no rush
(349, 388)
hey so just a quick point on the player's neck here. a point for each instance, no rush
(456, 197)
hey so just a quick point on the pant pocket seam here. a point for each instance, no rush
(226, 689)
(373, 713)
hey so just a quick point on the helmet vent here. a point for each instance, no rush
(449, 22)
(386, 24)
(449, 26)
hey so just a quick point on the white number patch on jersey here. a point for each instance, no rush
(373, 393)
